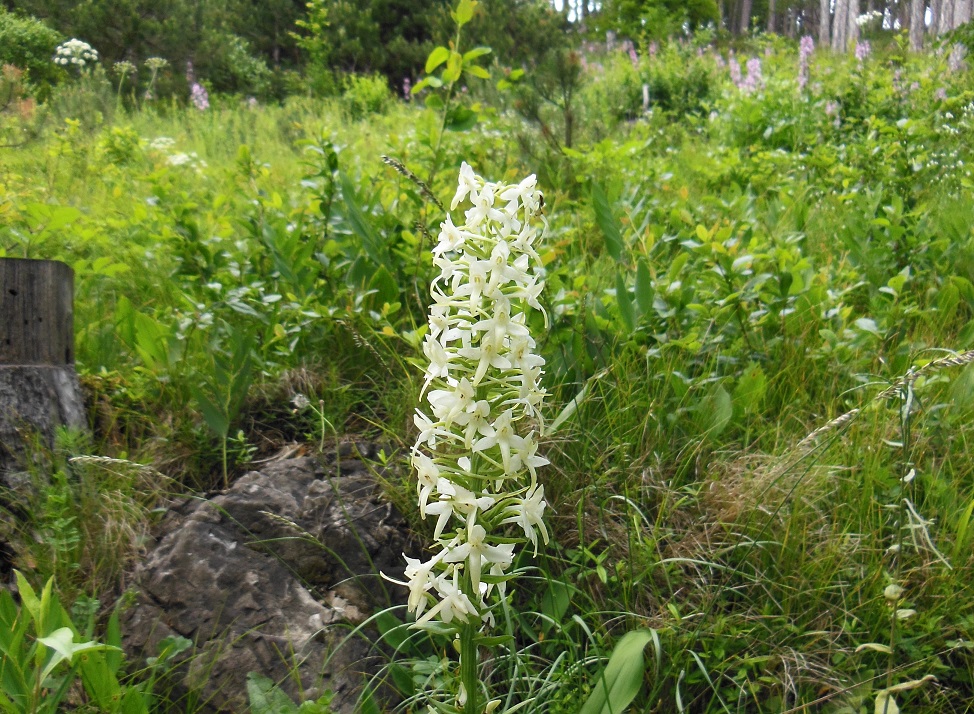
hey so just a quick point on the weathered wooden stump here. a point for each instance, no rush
(39, 388)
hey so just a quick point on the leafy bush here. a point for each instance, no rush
(27, 43)
(680, 79)
(365, 94)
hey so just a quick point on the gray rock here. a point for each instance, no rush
(271, 577)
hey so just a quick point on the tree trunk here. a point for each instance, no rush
(39, 389)
(771, 18)
(962, 13)
(917, 8)
(839, 25)
(852, 29)
(824, 31)
(745, 17)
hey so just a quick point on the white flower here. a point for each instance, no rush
(453, 604)
(420, 582)
(504, 437)
(476, 456)
(455, 500)
(477, 552)
(470, 184)
(528, 512)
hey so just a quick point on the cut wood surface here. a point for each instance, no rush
(39, 389)
(36, 312)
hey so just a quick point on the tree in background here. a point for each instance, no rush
(657, 19)
(28, 44)
(215, 35)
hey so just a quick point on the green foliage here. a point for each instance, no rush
(680, 80)
(44, 656)
(28, 44)
(365, 94)
(266, 698)
(622, 679)
(657, 19)
(727, 271)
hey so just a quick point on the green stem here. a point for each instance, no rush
(468, 655)
(223, 454)
(468, 667)
(906, 408)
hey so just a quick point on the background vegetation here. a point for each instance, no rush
(748, 244)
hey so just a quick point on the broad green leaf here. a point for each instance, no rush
(371, 241)
(213, 413)
(464, 12)
(607, 222)
(475, 53)
(750, 389)
(266, 698)
(385, 287)
(436, 58)
(64, 648)
(461, 119)
(644, 288)
(99, 679)
(625, 304)
(477, 71)
(454, 66)
(963, 524)
(885, 704)
(622, 679)
(29, 598)
(113, 637)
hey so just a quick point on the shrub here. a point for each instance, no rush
(27, 43)
(365, 94)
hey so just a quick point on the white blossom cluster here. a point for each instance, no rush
(868, 17)
(75, 52)
(477, 452)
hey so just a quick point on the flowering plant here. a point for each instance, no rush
(476, 458)
(75, 53)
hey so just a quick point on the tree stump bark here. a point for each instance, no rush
(39, 388)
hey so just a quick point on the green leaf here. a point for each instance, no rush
(569, 409)
(371, 241)
(625, 303)
(113, 637)
(622, 679)
(607, 222)
(722, 410)
(454, 66)
(385, 287)
(475, 53)
(495, 641)
(477, 71)
(61, 642)
(644, 288)
(29, 599)
(750, 389)
(213, 414)
(436, 58)
(464, 12)
(461, 119)
(266, 698)
(99, 679)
